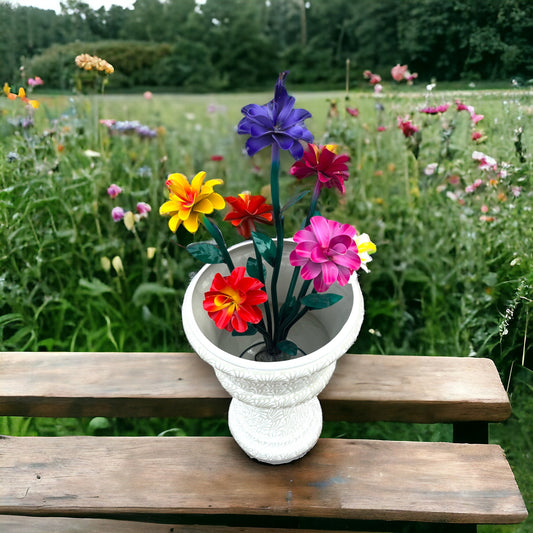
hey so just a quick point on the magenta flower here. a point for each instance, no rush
(434, 110)
(407, 127)
(114, 190)
(327, 252)
(352, 111)
(117, 213)
(143, 209)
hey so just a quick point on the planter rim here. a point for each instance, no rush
(325, 355)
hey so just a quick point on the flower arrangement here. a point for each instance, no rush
(326, 252)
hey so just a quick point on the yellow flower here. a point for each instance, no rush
(189, 202)
(88, 62)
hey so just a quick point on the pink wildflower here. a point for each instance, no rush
(378, 88)
(372, 78)
(114, 190)
(398, 72)
(143, 209)
(476, 135)
(474, 186)
(485, 161)
(148, 95)
(382, 128)
(407, 127)
(33, 82)
(434, 110)
(327, 252)
(117, 213)
(475, 117)
(484, 208)
(352, 111)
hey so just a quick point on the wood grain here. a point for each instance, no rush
(363, 387)
(353, 479)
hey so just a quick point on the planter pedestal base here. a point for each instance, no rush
(276, 435)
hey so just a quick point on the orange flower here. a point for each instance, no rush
(247, 210)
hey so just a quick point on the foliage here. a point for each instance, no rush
(221, 45)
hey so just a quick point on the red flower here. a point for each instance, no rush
(233, 301)
(353, 111)
(247, 210)
(217, 157)
(407, 127)
(322, 161)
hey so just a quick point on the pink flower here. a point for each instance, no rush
(475, 117)
(327, 252)
(433, 110)
(407, 127)
(33, 82)
(378, 88)
(117, 213)
(484, 208)
(476, 135)
(143, 209)
(114, 190)
(107, 122)
(382, 128)
(148, 95)
(352, 111)
(474, 186)
(398, 72)
(372, 78)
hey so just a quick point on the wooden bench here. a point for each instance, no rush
(207, 484)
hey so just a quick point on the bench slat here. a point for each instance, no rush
(31, 524)
(352, 479)
(363, 388)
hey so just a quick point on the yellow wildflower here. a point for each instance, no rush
(189, 202)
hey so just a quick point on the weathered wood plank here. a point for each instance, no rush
(351, 479)
(363, 388)
(40, 524)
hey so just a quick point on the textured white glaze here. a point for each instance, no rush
(274, 416)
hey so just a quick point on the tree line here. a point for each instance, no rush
(236, 44)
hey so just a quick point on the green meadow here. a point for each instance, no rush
(449, 208)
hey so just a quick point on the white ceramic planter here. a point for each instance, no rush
(274, 415)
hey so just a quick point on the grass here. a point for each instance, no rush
(452, 275)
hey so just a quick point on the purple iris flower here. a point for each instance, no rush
(276, 122)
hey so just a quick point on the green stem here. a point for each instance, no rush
(261, 277)
(276, 208)
(219, 239)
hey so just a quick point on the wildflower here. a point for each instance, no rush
(34, 82)
(247, 210)
(189, 202)
(21, 94)
(322, 162)
(275, 123)
(88, 62)
(353, 111)
(148, 95)
(114, 190)
(407, 127)
(232, 302)
(474, 186)
(12, 157)
(378, 88)
(217, 157)
(143, 209)
(144, 172)
(430, 169)
(476, 135)
(150, 252)
(381, 128)
(117, 264)
(117, 213)
(372, 78)
(129, 220)
(485, 161)
(398, 72)
(434, 110)
(327, 252)
(91, 153)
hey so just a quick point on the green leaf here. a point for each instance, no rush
(94, 286)
(288, 348)
(145, 291)
(295, 199)
(320, 301)
(252, 269)
(266, 246)
(205, 252)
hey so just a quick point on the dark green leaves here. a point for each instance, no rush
(205, 252)
(252, 268)
(320, 301)
(294, 200)
(266, 247)
(288, 348)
